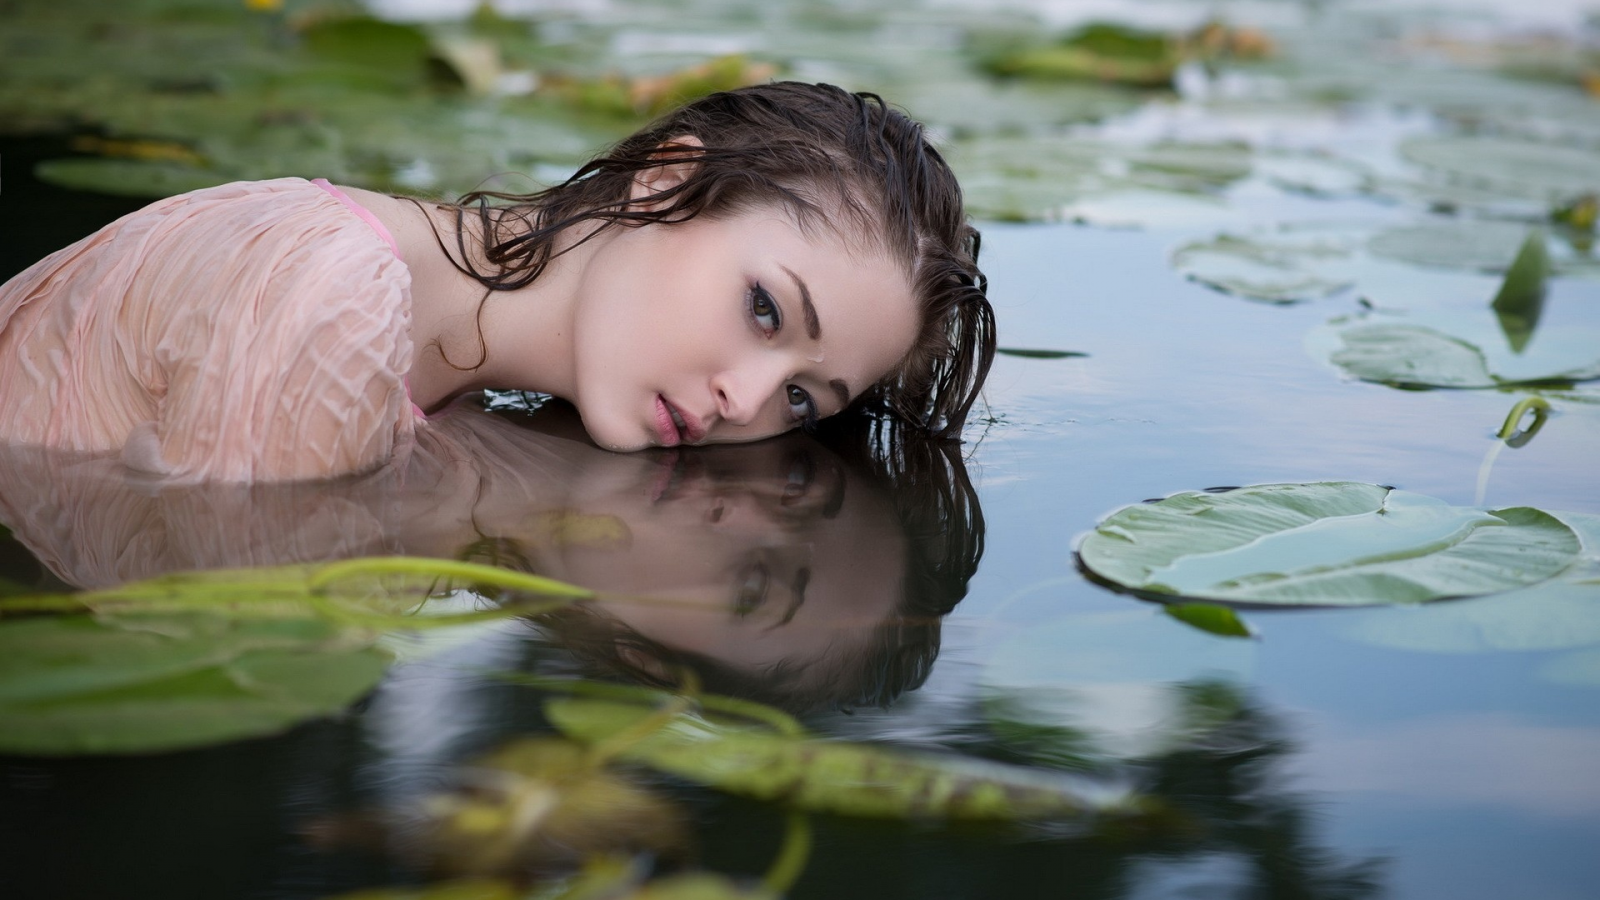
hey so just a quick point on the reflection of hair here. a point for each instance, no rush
(821, 153)
(938, 513)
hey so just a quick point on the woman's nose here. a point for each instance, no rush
(741, 393)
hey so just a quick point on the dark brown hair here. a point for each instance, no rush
(827, 156)
(937, 512)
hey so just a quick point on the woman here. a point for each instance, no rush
(755, 261)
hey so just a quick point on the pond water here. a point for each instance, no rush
(1198, 256)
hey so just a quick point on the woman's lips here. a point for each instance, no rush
(666, 429)
(685, 428)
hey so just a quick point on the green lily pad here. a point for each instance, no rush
(1542, 171)
(1028, 178)
(1324, 544)
(1486, 246)
(832, 776)
(1420, 351)
(200, 658)
(1100, 51)
(1282, 267)
(76, 684)
(125, 177)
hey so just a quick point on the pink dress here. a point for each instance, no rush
(256, 331)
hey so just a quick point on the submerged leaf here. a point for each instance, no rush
(537, 802)
(833, 776)
(1325, 544)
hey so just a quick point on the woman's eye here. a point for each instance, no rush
(801, 472)
(751, 591)
(801, 406)
(764, 310)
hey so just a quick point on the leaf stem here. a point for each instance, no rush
(792, 856)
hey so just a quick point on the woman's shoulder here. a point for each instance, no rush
(406, 220)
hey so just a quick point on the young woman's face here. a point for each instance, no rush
(730, 329)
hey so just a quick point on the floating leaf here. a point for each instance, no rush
(1536, 170)
(204, 657)
(1476, 244)
(1407, 352)
(74, 684)
(1099, 51)
(1324, 544)
(1281, 267)
(126, 177)
(1039, 354)
(1521, 296)
(1210, 618)
(832, 776)
(1034, 178)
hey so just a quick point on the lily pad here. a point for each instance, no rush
(1284, 266)
(126, 178)
(1324, 544)
(200, 658)
(833, 776)
(1100, 51)
(1486, 246)
(1542, 171)
(1418, 351)
(1031, 178)
(76, 684)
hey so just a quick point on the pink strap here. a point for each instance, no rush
(358, 209)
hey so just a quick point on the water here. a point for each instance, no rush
(1451, 750)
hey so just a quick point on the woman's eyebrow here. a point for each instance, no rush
(814, 330)
(813, 324)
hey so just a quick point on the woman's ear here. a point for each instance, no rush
(649, 182)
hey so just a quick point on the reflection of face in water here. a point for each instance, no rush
(756, 555)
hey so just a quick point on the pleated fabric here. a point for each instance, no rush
(255, 331)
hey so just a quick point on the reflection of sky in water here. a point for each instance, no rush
(1442, 761)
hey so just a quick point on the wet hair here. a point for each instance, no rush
(828, 157)
(937, 512)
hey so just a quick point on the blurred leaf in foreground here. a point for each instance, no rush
(834, 776)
